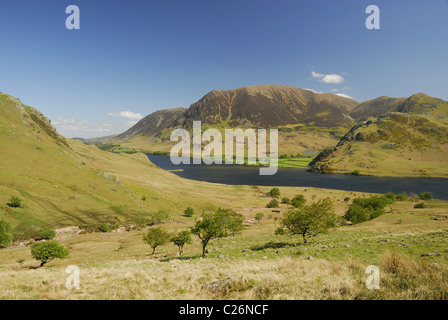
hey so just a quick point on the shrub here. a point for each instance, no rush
(356, 173)
(364, 209)
(426, 196)
(298, 201)
(420, 206)
(15, 202)
(104, 227)
(158, 218)
(286, 200)
(401, 197)
(346, 199)
(357, 214)
(274, 193)
(272, 204)
(156, 237)
(189, 212)
(141, 222)
(390, 195)
(180, 239)
(259, 216)
(6, 236)
(47, 251)
(46, 235)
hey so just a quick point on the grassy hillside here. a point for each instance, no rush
(412, 140)
(64, 182)
(260, 265)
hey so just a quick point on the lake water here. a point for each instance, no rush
(290, 177)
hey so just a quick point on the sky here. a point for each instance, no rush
(131, 58)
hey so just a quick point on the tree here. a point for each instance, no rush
(259, 216)
(217, 225)
(274, 193)
(6, 236)
(310, 220)
(189, 212)
(47, 251)
(15, 202)
(156, 237)
(180, 239)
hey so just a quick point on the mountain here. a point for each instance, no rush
(155, 123)
(375, 108)
(307, 120)
(409, 136)
(267, 106)
(419, 103)
(63, 182)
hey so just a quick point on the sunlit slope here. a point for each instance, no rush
(410, 140)
(63, 182)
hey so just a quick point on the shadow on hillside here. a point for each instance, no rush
(182, 258)
(273, 245)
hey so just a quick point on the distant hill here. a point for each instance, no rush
(405, 136)
(307, 120)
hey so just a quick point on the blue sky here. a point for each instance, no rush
(131, 58)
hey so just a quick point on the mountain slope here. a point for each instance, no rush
(64, 182)
(307, 120)
(410, 140)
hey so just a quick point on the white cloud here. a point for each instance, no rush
(332, 78)
(71, 128)
(344, 95)
(317, 75)
(328, 78)
(126, 114)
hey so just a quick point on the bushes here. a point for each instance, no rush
(356, 173)
(6, 236)
(298, 201)
(364, 209)
(158, 218)
(420, 206)
(104, 227)
(259, 216)
(426, 196)
(46, 235)
(274, 193)
(272, 204)
(286, 200)
(14, 202)
(401, 197)
(390, 196)
(189, 212)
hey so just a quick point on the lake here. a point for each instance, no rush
(291, 177)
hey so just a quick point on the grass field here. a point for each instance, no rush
(261, 265)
